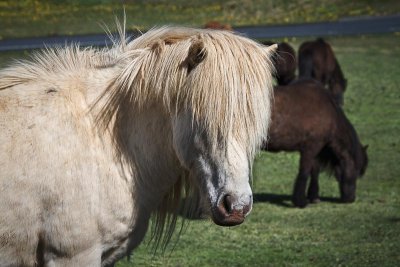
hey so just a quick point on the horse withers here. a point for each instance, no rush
(95, 141)
(305, 118)
(317, 60)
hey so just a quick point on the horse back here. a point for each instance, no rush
(317, 60)
(303, 113)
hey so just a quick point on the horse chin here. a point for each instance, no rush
(228, 219)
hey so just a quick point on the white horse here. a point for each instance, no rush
(93, 142)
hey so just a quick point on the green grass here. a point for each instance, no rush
(365, 233)
(7, 58)
(26, 18)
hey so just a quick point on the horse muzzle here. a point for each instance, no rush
(231, 211)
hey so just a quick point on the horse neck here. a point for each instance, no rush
(96, 82)
(144, 137)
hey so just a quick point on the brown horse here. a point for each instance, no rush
(285, 63)
(217, 26)
(317, 60)
(305, 118)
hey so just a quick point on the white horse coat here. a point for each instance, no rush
(93, 142)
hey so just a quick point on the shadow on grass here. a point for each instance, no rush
(285, 200)
(280, 200)
(394, 219)
(276, 199)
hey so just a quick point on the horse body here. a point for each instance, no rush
(306, 119)
(217, 26)
(96, 141)
(317, 60)
(59, 178)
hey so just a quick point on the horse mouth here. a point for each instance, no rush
(224, 215)
(227, 220)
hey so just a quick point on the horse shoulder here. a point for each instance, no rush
(51, 154)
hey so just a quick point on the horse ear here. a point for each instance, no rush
(196, 55)
(271, 49)
(365, 147)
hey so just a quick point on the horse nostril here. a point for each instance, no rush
(225, 205)
(228, 203)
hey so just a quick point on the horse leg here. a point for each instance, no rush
(90, 257)
(313, 188)
(346, 175)
(347, 183)
(299, 192)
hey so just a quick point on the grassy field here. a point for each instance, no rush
(26, 18)
(365, 233)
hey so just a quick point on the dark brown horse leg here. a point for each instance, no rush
(346, 176)
(313, 188)
(299, 192)
(347, 184)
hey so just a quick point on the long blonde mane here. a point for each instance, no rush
(228, 91)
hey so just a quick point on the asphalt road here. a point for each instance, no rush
(349, 26)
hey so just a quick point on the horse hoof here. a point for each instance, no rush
(347, 200)
(315, 200)
(300, 203)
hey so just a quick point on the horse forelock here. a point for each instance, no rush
(228, 92)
